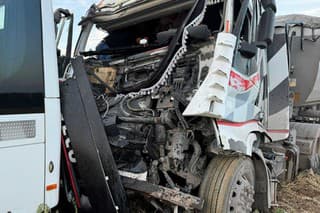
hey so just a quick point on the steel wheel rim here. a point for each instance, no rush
(242, 193)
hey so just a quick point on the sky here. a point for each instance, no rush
(308, 7)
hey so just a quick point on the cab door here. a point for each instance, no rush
(245, 76)
(278, 89)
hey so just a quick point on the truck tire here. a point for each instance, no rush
(228, 185)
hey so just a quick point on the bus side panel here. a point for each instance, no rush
(22, 178)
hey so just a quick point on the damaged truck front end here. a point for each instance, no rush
(179, 88)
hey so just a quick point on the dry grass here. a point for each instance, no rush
(302, 195)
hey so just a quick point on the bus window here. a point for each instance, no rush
(21, 63)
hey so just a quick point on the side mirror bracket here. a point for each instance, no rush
(200, 32)
(266, 29)
(269, 4)
(248, 50)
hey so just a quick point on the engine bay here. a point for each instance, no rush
(148, 133)
(143, 84)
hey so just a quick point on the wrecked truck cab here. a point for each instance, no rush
(119, 16)
(148, 17)
(147, 68)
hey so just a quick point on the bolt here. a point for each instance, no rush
(51, 166)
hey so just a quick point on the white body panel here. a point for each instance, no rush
(22, 178)
(239, 136)
(24, 161)
(210, 99)
(22, 168)
(314, 95)
(52, 149)
(52, 105)
(279, 113)
(226, 93)
(279, 125)
(49, 51)
(277, 64)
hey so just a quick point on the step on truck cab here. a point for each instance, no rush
(30, 118)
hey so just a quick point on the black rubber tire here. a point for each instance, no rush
(217, 188)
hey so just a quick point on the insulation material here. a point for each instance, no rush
(106, 74)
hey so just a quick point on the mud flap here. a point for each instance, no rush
(95, 162)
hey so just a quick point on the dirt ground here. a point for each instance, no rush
(302, 195)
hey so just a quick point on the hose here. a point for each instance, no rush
(138, 109)
(180, 116)
(195, 156)
(122, 109)
(149, 120)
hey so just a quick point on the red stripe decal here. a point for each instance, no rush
(227, 26)
(73, 184)
(227, 123)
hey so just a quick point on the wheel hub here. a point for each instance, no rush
(242, 195)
